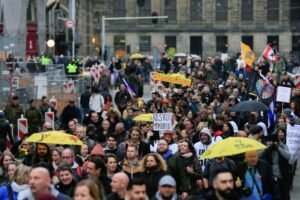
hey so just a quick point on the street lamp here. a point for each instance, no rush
(120, 18)
(50, 43)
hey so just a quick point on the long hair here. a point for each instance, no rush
(135, 128)
(161, 163)
(21, 174)
(6, 153)
(36, 158)
(93, 187)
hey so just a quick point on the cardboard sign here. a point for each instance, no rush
(162, 121)
(293, 141)
(283, 94)
(172, 78)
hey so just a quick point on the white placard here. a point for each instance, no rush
(283, 94)
(41, 83)
(162, 121)
(293, 141)
(224, 56)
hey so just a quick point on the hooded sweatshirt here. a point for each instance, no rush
(202, 147)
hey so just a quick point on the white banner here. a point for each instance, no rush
(293, 141)
(162, 121)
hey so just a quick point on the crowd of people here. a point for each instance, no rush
(122, 158)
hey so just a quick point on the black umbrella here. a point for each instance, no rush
(249, 106)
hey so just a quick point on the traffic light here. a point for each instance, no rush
(154, 21)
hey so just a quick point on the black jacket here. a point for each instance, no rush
(5, 130)
(151, 178)
(66, 189)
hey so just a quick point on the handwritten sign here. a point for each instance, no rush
(283, 94)
(172, 78)
(293, 141)
(162, 121)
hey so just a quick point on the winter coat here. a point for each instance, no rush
(151, 177)
(66, 189)
(13, 113)
(4, 192)
(27, 195)
(177, 168)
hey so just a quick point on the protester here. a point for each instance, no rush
(153, 167)
(39, 183)
(87, 189)
(67, 182)
(166, 189)
(119, 186)
(18, 183)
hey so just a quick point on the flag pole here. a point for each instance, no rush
(262, 54)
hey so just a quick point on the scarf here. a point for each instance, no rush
(167, 154)
(187, 155)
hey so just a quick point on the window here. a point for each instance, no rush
(248, 39)
(171, 10)
(222, 44)
(221, 10)
(31, 11)
(273, 10)
(119, 8)
(274, 41)
(196, 45)
(119, 42)
(295, 10)
(145, 10)
(145, 43)
(196, 10)
(247, 10)
(170, 42)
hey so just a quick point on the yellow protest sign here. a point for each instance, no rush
(172, 78)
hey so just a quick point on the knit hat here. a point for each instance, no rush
(167, 180)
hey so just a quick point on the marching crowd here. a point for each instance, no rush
(122, 158)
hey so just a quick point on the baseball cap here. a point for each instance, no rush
(167, 180)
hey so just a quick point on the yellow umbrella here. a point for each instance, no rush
(137, 56)
(54, 137)
(232, 146)
(144, 117)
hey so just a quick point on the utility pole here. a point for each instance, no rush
(72, 15)
(116, 19)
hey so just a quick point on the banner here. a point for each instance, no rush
(283, 94)
(172, 78)
(293, 141)
(162, 121)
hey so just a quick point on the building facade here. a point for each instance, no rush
(199, 26)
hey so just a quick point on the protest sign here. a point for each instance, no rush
(283, 94)
(162, 121)
(172, 78)
(293, 141)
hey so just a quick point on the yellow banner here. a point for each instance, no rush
(172, 78)
(247, 54)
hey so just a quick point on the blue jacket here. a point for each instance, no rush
(4, 194)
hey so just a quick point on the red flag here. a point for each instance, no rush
(270, 54)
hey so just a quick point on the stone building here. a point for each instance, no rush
(199, 26)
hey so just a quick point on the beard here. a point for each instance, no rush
(227, 194)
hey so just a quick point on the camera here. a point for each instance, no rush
(247, 191)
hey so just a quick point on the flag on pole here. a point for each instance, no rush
(247, 54)
(270, 54)
(130, 89)
(271, 114)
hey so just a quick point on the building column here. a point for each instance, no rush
(41, 15)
